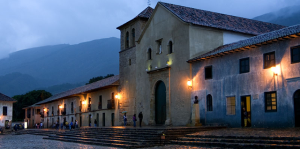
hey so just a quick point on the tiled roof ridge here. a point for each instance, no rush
(7, 98)
(143, 13)
(216, 13)
(252, 41)
(218, 20)
(84, 89)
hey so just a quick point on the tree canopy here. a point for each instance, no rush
(26, 100)
(95, 79)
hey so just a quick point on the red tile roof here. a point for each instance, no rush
(220, 21)
(111, 81)
(145, 14)
(6, 98)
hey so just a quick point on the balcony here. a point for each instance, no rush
(28, 115)
(63, 112)
(110, 104)
(80, 108)
(42, 114)
(100, 106)
(89, 108)
(57, 112)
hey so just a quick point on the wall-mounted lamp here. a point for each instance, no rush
(60, 107)
(45, 109)
(189, 83)
(117, 96)
(275, 70)
(84, 102)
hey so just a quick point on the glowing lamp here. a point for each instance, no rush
(117, 96)
(45, 110)
(84, 102)
(275, 70)
(60, 107)
(189, 83)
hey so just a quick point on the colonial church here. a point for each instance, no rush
(243, 72)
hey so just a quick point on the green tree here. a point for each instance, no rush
(26, 100)
(95, 79)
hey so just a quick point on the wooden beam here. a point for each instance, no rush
(293, 36)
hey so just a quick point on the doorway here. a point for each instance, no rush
(6, 124)
(160, 103)
(113, 119)
(297, 108)
(103, 119)
(246, 111)
(98, 120)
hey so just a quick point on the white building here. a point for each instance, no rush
(6, 108)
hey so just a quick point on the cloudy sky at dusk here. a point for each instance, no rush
(31, 23)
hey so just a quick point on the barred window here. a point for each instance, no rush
(209, 102)
(244, 65)
(230, 105)
(295, 54)
(270, 102)
(269, 60)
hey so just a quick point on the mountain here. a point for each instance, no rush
(59, 65)
(287, 16)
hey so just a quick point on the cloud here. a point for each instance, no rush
(26, 24)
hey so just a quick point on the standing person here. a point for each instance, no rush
(71, 125)
(41, 125)
(76, 124)
(57, 125)
(95, 123)
(141, 118)
(134, 120)
(125, 119)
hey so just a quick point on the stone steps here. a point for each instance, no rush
(238, 141)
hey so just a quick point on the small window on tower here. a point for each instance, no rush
(129, 61)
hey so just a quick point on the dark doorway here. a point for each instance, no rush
(246, 111)
(160, 103)
(98, 122)
(103, 119)
(113, 119)
(297, 108)
(6, 124)
(80, 121)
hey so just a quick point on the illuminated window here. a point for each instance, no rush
(244, 65)
(230, 105)
(127, 40)
(209, 102)
(269, 60)
(208, 72)
(295, 54)
(270, 102)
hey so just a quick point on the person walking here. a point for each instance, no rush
(41, 125)
(71, 125)
(95, 123)
(125, 119)
(76, 124)
(134, 120)
(141, 118)
(245, 113)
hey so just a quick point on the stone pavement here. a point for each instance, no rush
(37, 142)
(253, 132)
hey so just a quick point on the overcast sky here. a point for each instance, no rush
(31, 23)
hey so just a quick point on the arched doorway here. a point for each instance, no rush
(160, 103)
(297, 108)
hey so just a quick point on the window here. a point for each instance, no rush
(127, 40)
(270, 102)
(80, 106)
(112, 95)
(113, 100)
(208, 72)
(244, 65)
(100, 102)
(170, 47)
(295, 54)
(90, 104)
(129, 62)
(65, 109)
(4, 110)
(159, 48)
(269, 60)
(149, 54)
(72, 108)
(28, 113)
(209, 102)
(230, 105)
(38, 111)
(133, 36)
(33, 112)
(57, 109)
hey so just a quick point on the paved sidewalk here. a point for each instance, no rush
(37, 142)
(254, 132)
